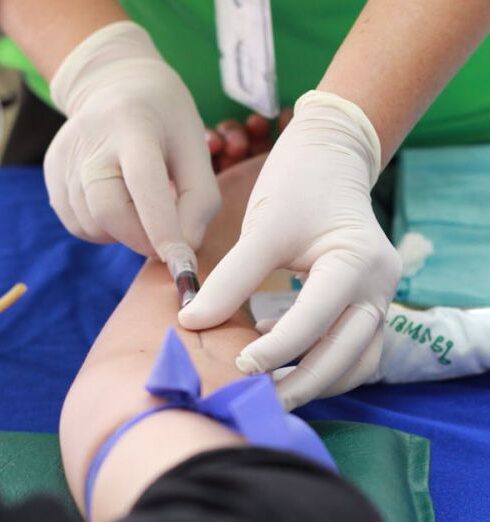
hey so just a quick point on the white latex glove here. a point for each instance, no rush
(132, 127)
(310, 211)
(418, 345)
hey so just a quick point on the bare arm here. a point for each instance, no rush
(110, 386)
(399, 55)
(48, 30)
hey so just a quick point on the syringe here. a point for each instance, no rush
(182, 265)
(187, 287)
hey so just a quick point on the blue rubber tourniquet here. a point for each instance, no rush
(73, 287)
(248, 406)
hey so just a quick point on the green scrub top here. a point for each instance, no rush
(306, 35)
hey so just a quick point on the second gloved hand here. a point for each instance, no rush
(132, 129)
(310, 211)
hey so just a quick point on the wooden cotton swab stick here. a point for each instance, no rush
(13, 295)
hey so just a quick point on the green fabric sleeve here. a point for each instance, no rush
(307, 35)
(389, 466)
(12, 57)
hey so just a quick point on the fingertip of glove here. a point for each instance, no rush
(194, 235)
(288, 404)
(192, 317)
(291, 393)
(265, 325)
(188, 319)
(247, 364)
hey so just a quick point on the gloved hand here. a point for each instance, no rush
(310, 211)
(132, 128)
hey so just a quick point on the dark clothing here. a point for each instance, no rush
(233, 485)
(34, 128)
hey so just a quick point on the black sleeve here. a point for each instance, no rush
(42, 508)
(231, 485)
(251, 485)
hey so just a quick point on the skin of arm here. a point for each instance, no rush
(109, 388)
(399, 55)
(47, 31)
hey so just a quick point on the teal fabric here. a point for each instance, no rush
(444, 194)
(391, 467)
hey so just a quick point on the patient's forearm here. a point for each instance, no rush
(110, 387)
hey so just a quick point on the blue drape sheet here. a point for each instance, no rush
(74, 286)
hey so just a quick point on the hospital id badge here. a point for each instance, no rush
(247, 61)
